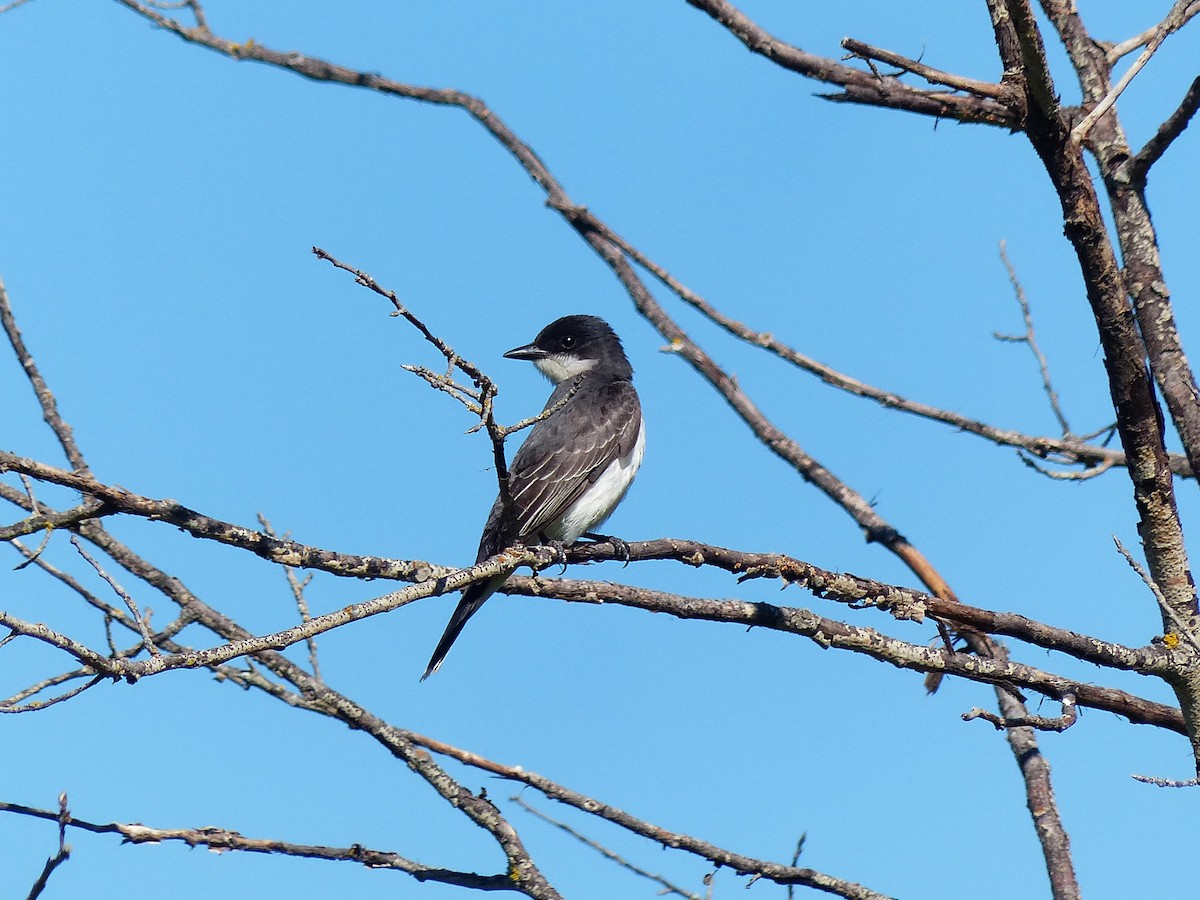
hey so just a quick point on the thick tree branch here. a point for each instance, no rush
(372, 82)
(319, 697)
(432, 580)
(131, 670)
(1127, 346)
(902, 603)
(857, 86)
(1142, 277)
(523, 873)
(1039, 798)
(833, 634)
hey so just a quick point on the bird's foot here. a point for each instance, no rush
(558, 555)
(620, 547)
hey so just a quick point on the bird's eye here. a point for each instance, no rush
(567, 341)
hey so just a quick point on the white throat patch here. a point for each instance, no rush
(560, 367)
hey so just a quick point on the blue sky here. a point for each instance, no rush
(159, 203)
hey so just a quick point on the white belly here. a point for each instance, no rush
(598, 501)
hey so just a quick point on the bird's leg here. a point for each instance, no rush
(619, 546)
(559, 550)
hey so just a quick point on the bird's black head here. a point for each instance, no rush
(574, 345)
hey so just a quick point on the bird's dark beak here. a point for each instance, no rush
(530, 352)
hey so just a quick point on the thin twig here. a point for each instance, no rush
(1069, 717)
(63, 854)
(506, 430)
(1066, 452)
(743, 865)
(39, 705)
(1081, 475)
(13, 5)
(867, 53)
(1180, 626)
(110, 612)
(796, 861)
(61, 429)
(1029, 338)
(1166, 782)
(193, 5)
(857, 86)
(668, 887)
(1124, 48)
(487, 387)
(298, 587)
(468, 397)
(143, 627)
(1175, 19)
(220, 839)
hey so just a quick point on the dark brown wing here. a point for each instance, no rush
(566, 453)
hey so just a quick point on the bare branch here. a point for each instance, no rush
(1142, 277)
(222, 839)
(283, 552)
(1167, 132)
(908, 604)
(1064, 451)
(1173, 22)
(668, 887)
(1125, 345)
(930, 74)
(487, 387)
(318, 697)
(193, 5)
(129, 670)
(1042, 723)
(1039, 799)
(1029, 338)
(13, 5)
(7, 706)
(297, 586)
(1166, 782)
(843, 587)
(833, 634)
(1124, 48)
(1182, 627)
(64, 852)
(131, 605)
(61, 429)
(742, 865)
(858, 86)
(90, 509)
(1084, 475)
(468, 397)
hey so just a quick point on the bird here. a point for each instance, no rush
(577, 463)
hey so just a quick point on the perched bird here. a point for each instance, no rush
(576, 465)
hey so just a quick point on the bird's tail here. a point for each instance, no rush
(473, 598)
